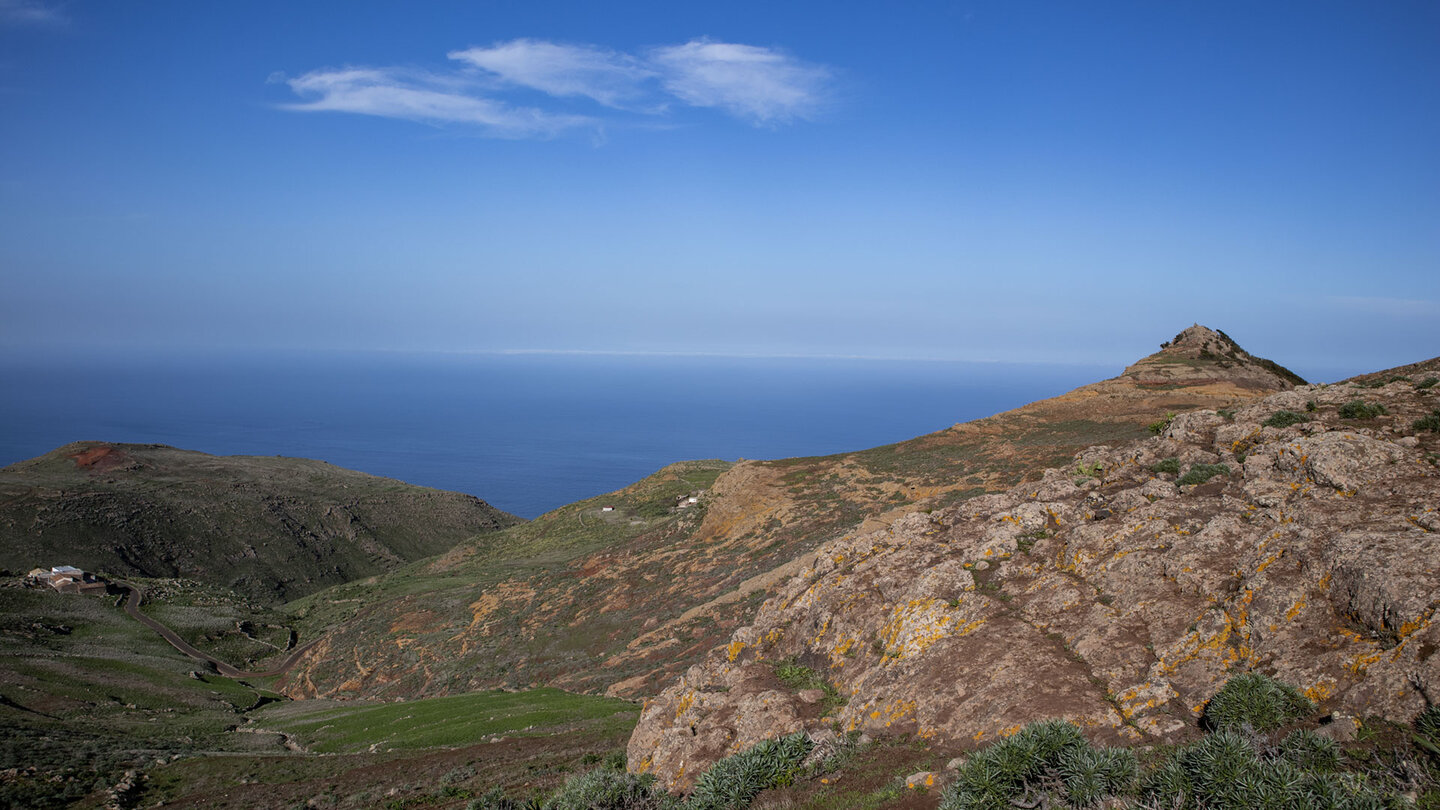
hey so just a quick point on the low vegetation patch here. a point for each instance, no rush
(602, 789)
(1237, 766)
(1156, 428)
(1430, 423)
(1200, 473)
(352, 726)
(1026, 541)
(1228, 770)
(730, 784)
(1255, 700)
(734, 781)
(1169, 465)
(1359, 409)
(1046, 761)
(1428, 383)
(1382, 383)
(1284, 419)
(797, 676)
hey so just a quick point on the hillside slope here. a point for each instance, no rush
(623, 601)
(1295, 535)
(271, 528)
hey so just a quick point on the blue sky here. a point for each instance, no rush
(973, 180)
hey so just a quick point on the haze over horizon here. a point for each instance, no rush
(1034, 181)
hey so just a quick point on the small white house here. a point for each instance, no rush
(68, 579)
(607, 509)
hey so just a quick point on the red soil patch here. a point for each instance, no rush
(100, 458)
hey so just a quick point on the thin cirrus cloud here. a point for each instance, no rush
(418, 96)
(759, 84)
(610, 78)
(762, 86)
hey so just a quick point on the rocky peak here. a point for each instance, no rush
(1198, 339)
(1201, 356)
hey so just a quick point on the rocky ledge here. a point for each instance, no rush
(1295, 536)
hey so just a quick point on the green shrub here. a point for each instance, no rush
(1224, 770)
(1430, 423)
(1208, 773)
(1309, 406)
(1200, 473)
(1255, 700)
(1228, 414)
(1166, 465)
(1091, 774)
(1050, 754)
(1309, 751)
(1359, 409)
(734, 781)
(1159, 427)
(1429, 383)
(495, 799)
(1427, 724)
(604, 789)
(797, 676)
(1427, 731)
(1283, 419)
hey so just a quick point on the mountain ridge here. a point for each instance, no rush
(270, 527)
(629, 614)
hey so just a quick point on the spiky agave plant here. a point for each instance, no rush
(1253, 699)
(1091, 774)
(732, 782)
(1047, 756)
(607, 789)
(1309, 751)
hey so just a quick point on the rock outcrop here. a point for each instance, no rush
(1118, 593)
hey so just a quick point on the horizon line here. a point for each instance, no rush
(735, 355)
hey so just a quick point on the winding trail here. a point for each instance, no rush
(132, 607)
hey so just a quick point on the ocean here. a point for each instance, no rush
(527, 433)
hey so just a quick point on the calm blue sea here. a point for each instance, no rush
(527, 433)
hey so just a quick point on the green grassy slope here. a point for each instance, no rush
(272, 528)
(354, 726)
(86, 692)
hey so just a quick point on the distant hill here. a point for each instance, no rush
(271, 528)
(624, 600)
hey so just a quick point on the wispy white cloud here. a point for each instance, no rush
(610, 78)
(30, 12)
(763, 85)
(422, 97)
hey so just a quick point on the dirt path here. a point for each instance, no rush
(132, 607)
